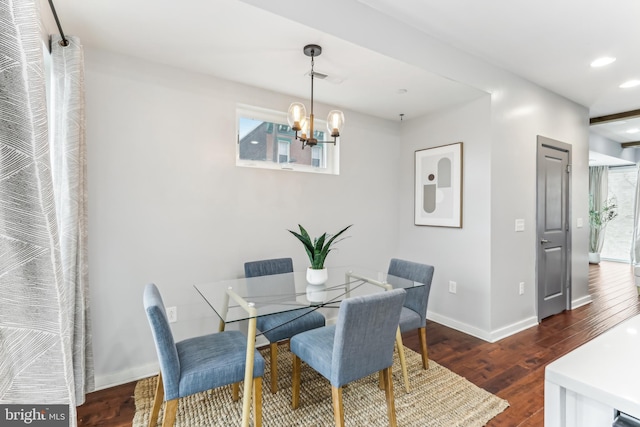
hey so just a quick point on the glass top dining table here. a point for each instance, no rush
(278, 293)
(249, 298)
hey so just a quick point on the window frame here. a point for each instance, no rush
(330, 159)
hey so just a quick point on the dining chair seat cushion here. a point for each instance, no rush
(409, 320)
(315, 347)
(211, 361)
(280, 326)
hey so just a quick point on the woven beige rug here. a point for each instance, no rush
(438, 398)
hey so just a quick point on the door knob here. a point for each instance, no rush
(543, 241)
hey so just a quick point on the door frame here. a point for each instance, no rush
(564, 147)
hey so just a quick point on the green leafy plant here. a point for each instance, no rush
(598, 219)
(318, 248)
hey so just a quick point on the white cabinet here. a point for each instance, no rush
(586, 386)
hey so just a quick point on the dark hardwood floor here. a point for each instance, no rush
(512, 368)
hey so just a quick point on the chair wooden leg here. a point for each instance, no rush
(157, 402)
(295, 382)
(338, 408)
(170, 409)
(388, 391)
(257, 401)
(273, 347)
(235, 391)
(380, 381)
(422, 334)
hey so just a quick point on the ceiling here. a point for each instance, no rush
(623, 130)
(548, 42)
(599, 159)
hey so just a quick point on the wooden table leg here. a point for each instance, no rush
(225, 309)
(248, 373)
(403, 362)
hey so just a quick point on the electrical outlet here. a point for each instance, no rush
(521, 288)
(172, 314)
(452, 286)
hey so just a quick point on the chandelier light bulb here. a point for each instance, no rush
(335, 121)
(296, 114)
(304, 127)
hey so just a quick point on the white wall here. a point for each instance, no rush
(520, 113)
(487, 258)
(168, 205)
(458, 254)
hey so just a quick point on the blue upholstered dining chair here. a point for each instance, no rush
(359, 344)
(196, 364)
(414, 312)
(281, 326)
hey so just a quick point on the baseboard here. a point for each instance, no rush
(459, 326)
(580, 302)
(513, 329)
(489, 336)
(126, 376)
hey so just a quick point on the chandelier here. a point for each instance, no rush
(301, 123)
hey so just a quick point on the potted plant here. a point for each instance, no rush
(598, 220)
(317, 251)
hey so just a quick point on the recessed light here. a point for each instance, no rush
(630, 84)
(601, 62)
(633, 130)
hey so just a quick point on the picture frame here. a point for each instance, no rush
(438, 186)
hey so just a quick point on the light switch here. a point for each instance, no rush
(579, 223)
(519, 224)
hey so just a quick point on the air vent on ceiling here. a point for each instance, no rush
(323, 76)
(318, 75)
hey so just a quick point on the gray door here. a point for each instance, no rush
(553, 231)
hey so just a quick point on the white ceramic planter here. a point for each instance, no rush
(594, 258)
(317, 277)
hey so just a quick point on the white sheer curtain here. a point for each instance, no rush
(68, 158)
(44, 343)
(598, 193)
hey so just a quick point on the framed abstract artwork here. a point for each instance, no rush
(438, 186)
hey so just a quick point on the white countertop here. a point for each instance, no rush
(605, 369)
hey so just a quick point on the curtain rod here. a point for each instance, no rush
(64, 41)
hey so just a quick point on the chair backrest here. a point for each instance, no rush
(417, 298)
(365, 335)
(165, 344)
(268, 267)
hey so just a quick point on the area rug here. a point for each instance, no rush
(438, 397)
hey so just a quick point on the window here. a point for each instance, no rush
(317, 156)
(283, 150)
(619, 232)
(265, 140)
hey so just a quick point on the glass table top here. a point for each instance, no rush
(280, 293)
